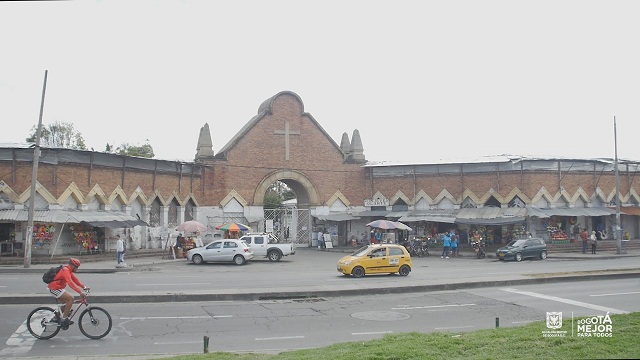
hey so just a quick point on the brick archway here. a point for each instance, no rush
(297, 181)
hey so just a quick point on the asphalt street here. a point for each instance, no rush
(312, 273)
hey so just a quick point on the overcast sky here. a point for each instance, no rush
(421, 80)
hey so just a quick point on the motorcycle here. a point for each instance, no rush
(478, 247)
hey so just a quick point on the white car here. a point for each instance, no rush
(223, 250)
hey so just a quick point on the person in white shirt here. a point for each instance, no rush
(119, 252)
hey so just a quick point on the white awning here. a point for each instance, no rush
(336, 217)
(596, 211)
(97, 218)
(443, 216)
(491, 216)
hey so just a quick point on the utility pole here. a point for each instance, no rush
(618, 227)
(34, 180)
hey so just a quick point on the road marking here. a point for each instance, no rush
(19, 343)
(373, 333)
(176, 342)
(431, 307)
(175, 317)
(280, 338)
(615, 294)
(75, 346)
(454, 327)
(567, 301)
(176, 284)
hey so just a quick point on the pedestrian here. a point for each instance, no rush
(320, 239)
(446, 245)
(119, 252)
(584, 235)
(454, 245)
(594, 242)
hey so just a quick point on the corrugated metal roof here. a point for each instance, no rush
(336, 217)
(599, 211)
(630, 210)
(99, 218)
(443, 216)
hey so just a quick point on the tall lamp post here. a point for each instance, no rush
(34, 179)
(618, 227)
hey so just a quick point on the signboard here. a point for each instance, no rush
(268, 225)
(376, 202)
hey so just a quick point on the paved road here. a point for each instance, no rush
(309, 273)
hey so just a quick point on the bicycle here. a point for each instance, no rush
(94, 322)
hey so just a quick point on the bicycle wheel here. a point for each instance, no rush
(95, 322)
(39, 323)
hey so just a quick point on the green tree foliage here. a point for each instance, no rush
(145, 150)
(58, 134)
(272, 200)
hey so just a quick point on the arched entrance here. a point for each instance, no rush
(290, 223)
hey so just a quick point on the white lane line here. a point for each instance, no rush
(280, 338)
(373, 333)
(75, 346)
(616, 294)
(176, 342)
(431, 306)
(454, 327)
(176, 284)
(175, 317)
(3, 286)
(19, 343)
(568, 301)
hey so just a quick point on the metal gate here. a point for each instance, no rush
(291, 224)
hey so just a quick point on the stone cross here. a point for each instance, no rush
(286, 132)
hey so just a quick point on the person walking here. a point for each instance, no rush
(446, 245)
(584, 235)
(594, 242)
(119, 252)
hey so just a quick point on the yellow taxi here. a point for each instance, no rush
(376, 259)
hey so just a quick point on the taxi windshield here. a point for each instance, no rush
(361, 252)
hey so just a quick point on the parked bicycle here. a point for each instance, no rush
(94, 322)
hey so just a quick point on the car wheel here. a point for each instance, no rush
(404, 270)
(239, 259)
(543, 254)
(197, 259)
(357, 271)
(274, 255)
(518, 256)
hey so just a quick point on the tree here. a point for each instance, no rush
(58, 134)
(145, 150)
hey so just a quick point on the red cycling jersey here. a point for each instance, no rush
(66, 277)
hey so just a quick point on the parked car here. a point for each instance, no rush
(266, 245)
(223, 250)
(376, 259)
(523, 248)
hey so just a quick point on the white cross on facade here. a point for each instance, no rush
(286, 132)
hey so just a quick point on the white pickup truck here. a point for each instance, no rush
(267, 245)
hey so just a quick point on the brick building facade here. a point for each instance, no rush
(340, 190)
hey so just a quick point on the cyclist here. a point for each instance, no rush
(57, 287)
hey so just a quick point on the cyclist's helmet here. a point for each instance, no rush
(75, 262)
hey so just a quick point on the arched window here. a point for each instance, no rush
(154, 216)
(173, 213)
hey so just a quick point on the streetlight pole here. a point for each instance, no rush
(34, 179)
(618, 227)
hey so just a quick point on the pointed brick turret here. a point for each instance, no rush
(357, 151)
(345, 146)
(204, 149)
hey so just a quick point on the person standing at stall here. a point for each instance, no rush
(584, 236)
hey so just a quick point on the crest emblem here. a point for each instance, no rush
(554, 320)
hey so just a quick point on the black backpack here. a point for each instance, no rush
(51, 274)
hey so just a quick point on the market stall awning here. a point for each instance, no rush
(381, 213)
(596, 211)
(629, 210)
(336, 217)
(443, 216)
(97, 218)
(491, 216)
(396, 214)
